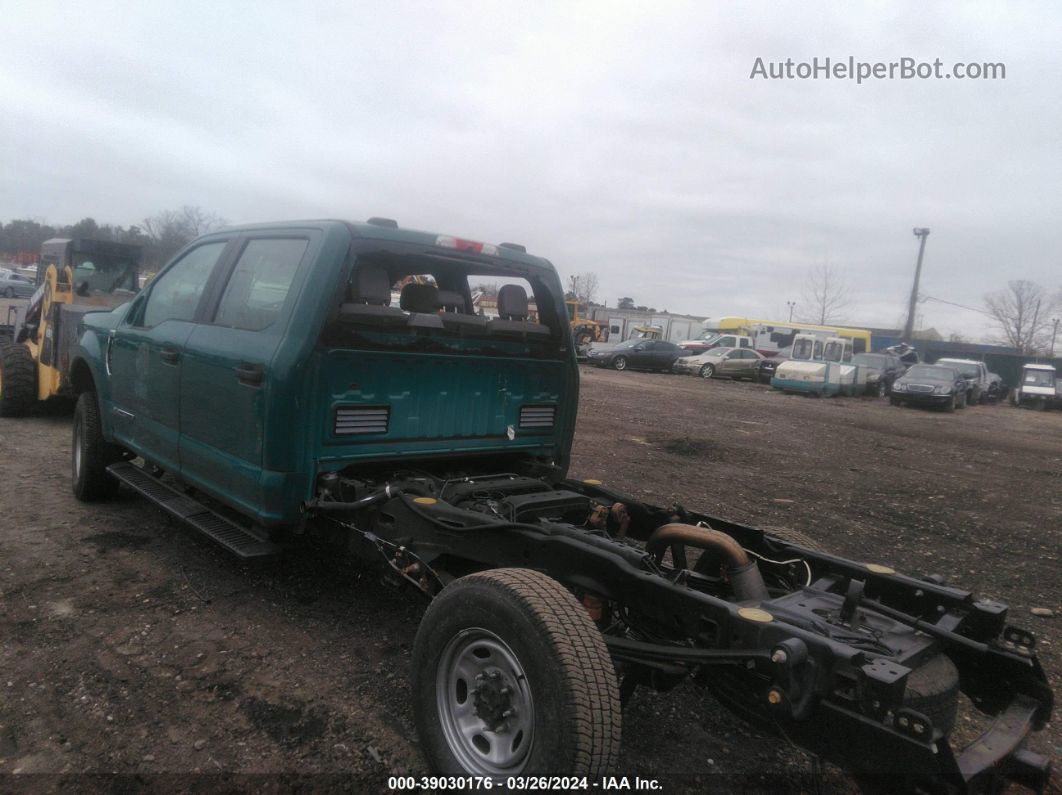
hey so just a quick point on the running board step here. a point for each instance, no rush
(240, 542)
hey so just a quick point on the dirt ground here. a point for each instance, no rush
(130, 647)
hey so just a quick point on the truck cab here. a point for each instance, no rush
(715, 339)
(821, 367)
(979, 386)
(1039, 387)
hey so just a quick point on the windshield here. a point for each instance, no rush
(629, 343)
(967, 370)
(1039, 378)
(802, 348)
(833, 351)
(709, 336)
(928, 372)
(96, 273)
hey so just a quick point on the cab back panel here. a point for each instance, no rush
(381, 404)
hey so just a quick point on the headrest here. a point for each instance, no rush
(512, 302)
(419, 297)
(452, 300)
(371, 285)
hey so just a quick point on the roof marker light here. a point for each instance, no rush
(448, 241)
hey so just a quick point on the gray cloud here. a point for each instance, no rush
(602, 135)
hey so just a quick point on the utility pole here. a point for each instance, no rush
(1054, 333)
(922, 233)
(792, 305)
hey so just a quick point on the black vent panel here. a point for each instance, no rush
(537, 416)
(354, 420)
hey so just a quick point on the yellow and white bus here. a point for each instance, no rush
(767, 336)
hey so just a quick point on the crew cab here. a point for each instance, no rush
(978, 379)
(275, 395)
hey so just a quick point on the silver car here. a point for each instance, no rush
(14, 285)
(730, 362)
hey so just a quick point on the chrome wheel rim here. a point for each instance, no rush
(707, 371)
(620, 363)
(484, 703)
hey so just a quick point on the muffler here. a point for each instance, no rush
(741, 570)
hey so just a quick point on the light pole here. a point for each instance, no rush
(1054, 333)
(792, 305)
(922, 233)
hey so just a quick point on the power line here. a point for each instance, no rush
(925, 297)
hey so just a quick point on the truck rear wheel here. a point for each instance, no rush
(18, 380)
(511, 677)
(91, 454)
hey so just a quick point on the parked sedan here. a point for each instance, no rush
(730, 362)
(768, 364)
(637, 355)
(882, 370)
(13, 285)
(930, 385)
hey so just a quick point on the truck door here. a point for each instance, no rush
(225, 379)
(144, 354)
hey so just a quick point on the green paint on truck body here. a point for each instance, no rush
(259, 447)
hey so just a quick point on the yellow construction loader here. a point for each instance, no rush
(73, 277)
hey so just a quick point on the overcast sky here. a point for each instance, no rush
(604, 136)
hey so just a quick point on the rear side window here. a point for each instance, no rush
(175, 294)
(260, 282)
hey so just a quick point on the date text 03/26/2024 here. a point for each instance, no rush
(523, 783)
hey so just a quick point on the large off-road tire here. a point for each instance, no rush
(91, 454)
(18, 380)
(514, 639)
(707, 370)
(620, 363)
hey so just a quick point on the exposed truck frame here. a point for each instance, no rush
(552, 599)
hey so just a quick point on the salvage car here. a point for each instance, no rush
(736, 363)
(882, 370)
(768, 364)
(636, 354)
(14, 285)
(263, 391)
(931, 385)
(978, 379)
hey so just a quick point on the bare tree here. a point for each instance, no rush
(171, 230)
(825, 296)
(582, 287)
(1023, 314)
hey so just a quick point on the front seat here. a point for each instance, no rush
(455, 315)
(422, 302)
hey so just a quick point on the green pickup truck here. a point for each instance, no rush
(266, 390)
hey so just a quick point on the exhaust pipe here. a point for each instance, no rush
(742, 571)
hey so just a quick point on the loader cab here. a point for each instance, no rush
(97, 272)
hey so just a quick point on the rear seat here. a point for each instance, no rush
(455, 312)
(512, 314)
(371, 299)
(422, 302)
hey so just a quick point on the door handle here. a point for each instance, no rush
(170, 355)
(250, 374)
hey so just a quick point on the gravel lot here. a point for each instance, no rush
(129, 646)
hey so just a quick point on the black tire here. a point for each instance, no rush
(882, 390)
(620, 363)
(18, 380)
(963, 401)
(561, 662)
(9, 292)
(894, 401)
(933, 690)
(91, 454)
(952, 404)
(707, 370)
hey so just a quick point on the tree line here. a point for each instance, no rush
(160, 236)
